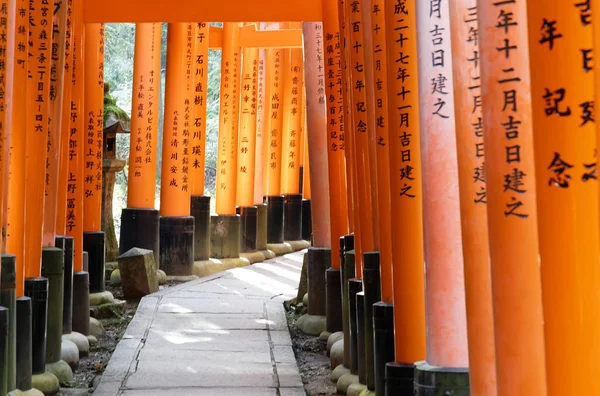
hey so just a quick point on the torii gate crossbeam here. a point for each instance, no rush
(201, 10)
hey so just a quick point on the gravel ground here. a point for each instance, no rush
(311, 356)
(90, 368)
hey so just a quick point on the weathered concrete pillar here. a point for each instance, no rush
(347, 272)
(8, 300)
(24, 340)
(53, 269)
(66, 244)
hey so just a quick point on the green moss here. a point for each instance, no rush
(111, 107)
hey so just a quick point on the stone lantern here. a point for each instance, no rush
(116, 121)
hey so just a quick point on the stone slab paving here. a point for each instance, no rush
(223, 335)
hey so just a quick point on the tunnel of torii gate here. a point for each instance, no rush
(437, 158)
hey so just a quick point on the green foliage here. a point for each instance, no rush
(111, 107)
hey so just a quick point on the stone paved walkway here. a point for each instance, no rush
(222, 335)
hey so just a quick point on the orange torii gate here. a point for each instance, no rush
(425, 176)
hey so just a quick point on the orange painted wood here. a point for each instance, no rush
(6, 26)
(63, 170)
(284, 38)
(306, 189)
(16, 81)
(336, 144)
(407, 238)
(293, 97)
(247, 129)
(273, 123)
(472, 184)
(198, 152)
(360, 130)
(376, 13)
(55, 112)
(369, 80)
(143, 136)
(261, 132)
(565, 145)
(229, 121)
(189, 10)
(447, 344)
(316, 133)
(74, 216)
(175, 191)
(36, 131)
(252, 37)
(94, 127)
(512, 215)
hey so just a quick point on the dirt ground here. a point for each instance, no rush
(90, 368)
(311, 356)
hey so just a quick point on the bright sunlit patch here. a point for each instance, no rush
(180, 339)
(264, 321)
(175, 308)
(280, 271)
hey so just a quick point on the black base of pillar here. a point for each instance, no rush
(347, 272)
(37, 290)
(225, 236)
(301, 180)
(93, 243)
(383, 325)
(372, 290)
(306, 220)
(81, 303)
(399, 379)
(53, 261)
(431, 381)
(66, 243)
(24, 320)
(86, 261)
(177, 245)
(274, 219)
(334, 300)
(261, 227)
(319, 259)
(140, 228)
(4, 324)
(360, 337)
(8, 273)
(200, 211)
(354, 287)
(292, 217)
(248, 228)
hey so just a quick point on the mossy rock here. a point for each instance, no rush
(108, 310)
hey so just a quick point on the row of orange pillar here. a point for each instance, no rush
(51, 145)
(44, 123)
(261, 96)
(482, 161)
